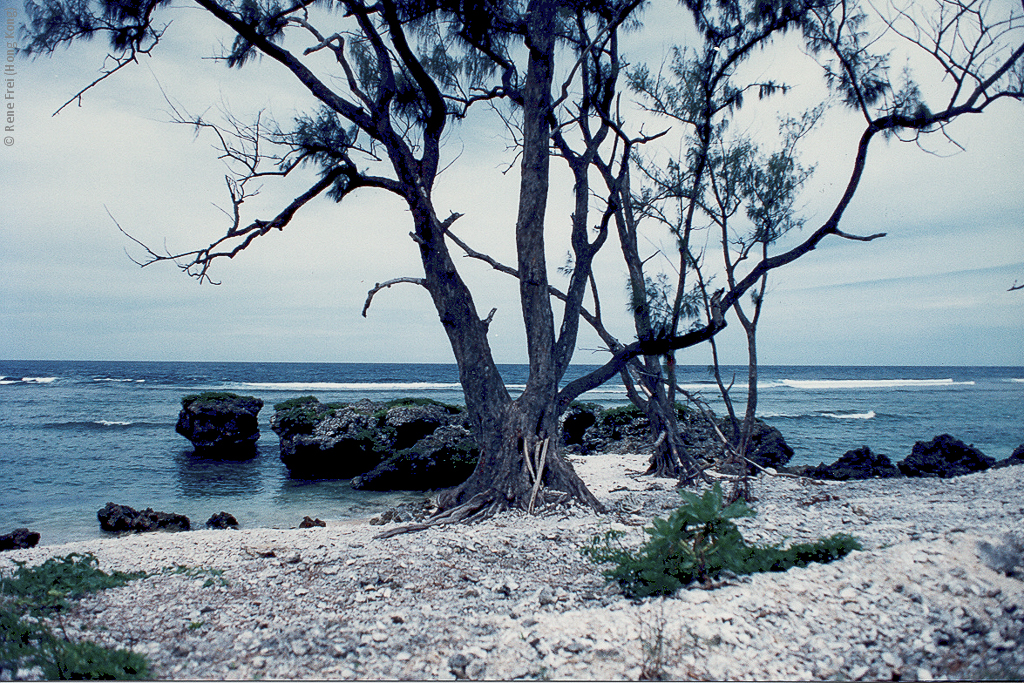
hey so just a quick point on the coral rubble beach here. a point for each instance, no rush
(514, 598)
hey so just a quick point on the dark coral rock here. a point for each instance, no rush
(222, 520)
(18, 539)
(309, 523)
(1016, 459)
(860, 463)
(118, 518)
(445, 458)
(944, 457)
(328, 441)
(576, 421)
(221, 424)
(767, 446)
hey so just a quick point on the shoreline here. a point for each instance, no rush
(513, 598)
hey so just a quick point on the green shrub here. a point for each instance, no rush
(409, 401)
(208, 397)
(50, 585)
(696, 543)
(621, 416)
(26, 641)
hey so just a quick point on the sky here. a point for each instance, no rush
(933, 292)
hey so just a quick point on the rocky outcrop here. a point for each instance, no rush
(401, 445)
(1016, 459)
(310, 523)
(18, 539)
(328, 441)
(944, 457)
(120, 518)
(444, 458)
(220, 425)
(860, 463)
(222, 520)
(587, 428)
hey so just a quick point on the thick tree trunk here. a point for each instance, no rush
(520, 465)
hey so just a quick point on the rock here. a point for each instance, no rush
(114, 517)
(944, 457)
(328, 441)
(1007, 558)
(1016, 459)
(220, 424)
(222, 520)
(457, 665)
(444, 458)
(309, 523)
(411, 423)
(576, 421)
(856, 464)
(18, 539)
(406, 512)
(768, 447)
(409, 444)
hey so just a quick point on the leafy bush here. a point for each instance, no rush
(208, 397)
(26, 642)
(50, 585)
(696, 543)
(451, 409)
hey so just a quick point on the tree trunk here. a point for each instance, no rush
(520, 465)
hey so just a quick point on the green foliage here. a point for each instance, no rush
(696, 543)
(50, 585)
(621, 416)
(26, 641)
(208, 397)
(215, 577)
(301, 414)
(408, 401)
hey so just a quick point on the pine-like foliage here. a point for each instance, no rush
(697, 543)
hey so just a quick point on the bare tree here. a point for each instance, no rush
(401, 70)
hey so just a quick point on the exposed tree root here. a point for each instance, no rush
(481, 506)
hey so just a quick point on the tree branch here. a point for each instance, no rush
(385, 285)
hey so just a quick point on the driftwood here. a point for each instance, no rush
(480, 506)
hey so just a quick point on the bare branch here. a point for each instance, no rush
(121, 62)
(859, 238)
(385, 285)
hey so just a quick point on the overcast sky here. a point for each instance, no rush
(933, 292)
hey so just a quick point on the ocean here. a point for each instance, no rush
(76, 434)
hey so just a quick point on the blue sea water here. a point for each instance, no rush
(75, 434)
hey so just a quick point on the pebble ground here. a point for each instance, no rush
(513, 598)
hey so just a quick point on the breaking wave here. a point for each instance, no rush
(818, 384)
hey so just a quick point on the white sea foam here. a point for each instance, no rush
(112, 423)
(870, 383)
(38, 380)
(851, 416)
(115, 379)
(350, 386)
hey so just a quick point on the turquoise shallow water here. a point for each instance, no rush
(74, 435)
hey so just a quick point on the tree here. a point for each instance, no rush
(978, 50)
(382, 116)
(402, 70)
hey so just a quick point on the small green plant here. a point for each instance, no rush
(208, 397)
(696, 543)
(31, 595)
(214, 577)
(412, 401)
(50, 585)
